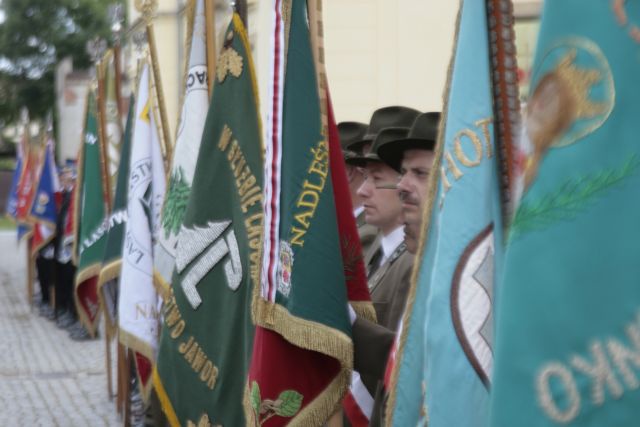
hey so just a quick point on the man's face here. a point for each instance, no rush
(381, 202)
(416, 165)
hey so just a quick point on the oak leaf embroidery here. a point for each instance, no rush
(287, 404)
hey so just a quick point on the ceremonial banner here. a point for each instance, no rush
(445, 354)
(112, 120)
(568, 320)
(112, 259)
(90, 219)
(207, 335)
(303, 352)
(26, 189)
(185, 154)
(44, 209)
(138, 301)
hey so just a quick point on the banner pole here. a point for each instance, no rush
(504, 75)
(210, 25)
(148, 8)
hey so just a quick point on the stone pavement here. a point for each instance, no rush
(46, 379)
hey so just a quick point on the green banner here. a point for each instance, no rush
(207, 333)
(89, 219)
(112, 260)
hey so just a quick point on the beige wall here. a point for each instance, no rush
(169, 32)
(380, 52)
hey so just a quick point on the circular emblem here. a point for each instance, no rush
(472, 303)
(573, 93)
(285, 268)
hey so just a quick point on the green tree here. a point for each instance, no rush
(34, 36)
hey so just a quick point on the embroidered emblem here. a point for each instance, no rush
(573, 96)
(472, 303)
(571, 198)
(285, 269)
(620, 10)
(176, 203)
(287, 404)
(209, 245)
(229, 61)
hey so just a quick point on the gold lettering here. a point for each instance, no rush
(250, 202)
(199, 360)
(319, 167)
(248, 184)
(298, 236)
(177, 331)
(206, 371)
(224, 138)
(253, 224)
(240, 162)
(168, 303)
(184, 346)
(173, 316)
(211, 383)
(309, 186)
(484, 125)
(311, 202)
(304, 217)
(231, 154)
(451, 167)
(251, 192)
(460, 154)
(191, 354)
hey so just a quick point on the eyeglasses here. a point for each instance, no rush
(386, 186)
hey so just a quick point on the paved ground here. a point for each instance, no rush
(46, 379)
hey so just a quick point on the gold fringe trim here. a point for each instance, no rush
(316, 337)
(109, 272)
(139, 346)
(430, 205)
(305, 333)
(163, 397)
(365, 310)
(315, 413)
(87, 273)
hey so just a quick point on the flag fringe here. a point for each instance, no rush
(82, 276)
(138, 346)
(109, 272)
(315, 413)
(424, 234)
(315, 337)
(165, 402)
(365, 310)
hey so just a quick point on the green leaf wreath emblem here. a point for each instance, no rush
(571, 198)
(176, 203)
(287, 404)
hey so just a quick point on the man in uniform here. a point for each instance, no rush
(389, 267)
(385, 117)
(351, 132)
(412, 157)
